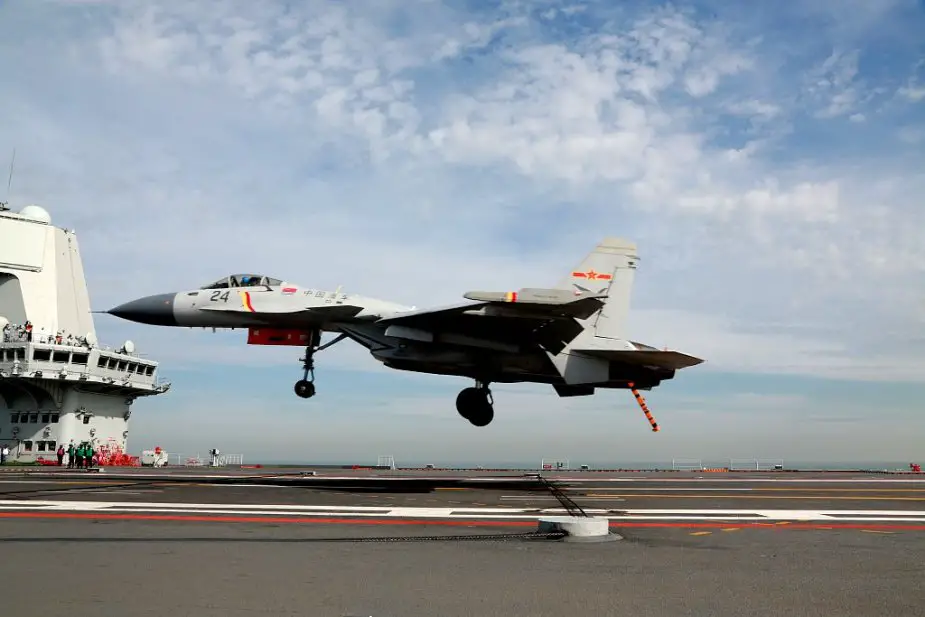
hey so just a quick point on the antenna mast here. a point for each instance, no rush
(9, 183)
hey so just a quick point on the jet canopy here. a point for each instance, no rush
(244, 280)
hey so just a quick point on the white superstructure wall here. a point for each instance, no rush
(42, 277)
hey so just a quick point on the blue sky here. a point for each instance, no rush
(769, 162)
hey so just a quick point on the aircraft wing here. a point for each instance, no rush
(430, 316)
(499, 308)
(550, 324)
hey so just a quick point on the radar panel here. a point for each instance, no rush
(244, 280)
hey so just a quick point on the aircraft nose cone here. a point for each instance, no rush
(154, 310)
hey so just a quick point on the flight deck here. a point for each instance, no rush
(415, 543)
(470, 498)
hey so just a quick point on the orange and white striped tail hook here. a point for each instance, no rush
(644, 407)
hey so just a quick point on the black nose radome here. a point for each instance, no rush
(154, 310)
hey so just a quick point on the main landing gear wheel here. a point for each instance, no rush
(476, 405)
(304, 388)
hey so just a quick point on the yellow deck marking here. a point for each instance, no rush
(847, 490)
(749, 496)
(875, 531)
(89, 483)
(731, 528)
(700, 533)
(757, 489)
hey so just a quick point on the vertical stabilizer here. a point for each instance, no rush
(609, 268)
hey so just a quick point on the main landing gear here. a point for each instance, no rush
(476, 404)
(305, 387)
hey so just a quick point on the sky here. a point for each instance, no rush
(769, 162)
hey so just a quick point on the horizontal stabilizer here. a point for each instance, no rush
(565, 391)
(673, 360)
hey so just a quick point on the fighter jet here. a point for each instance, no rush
(570, 336)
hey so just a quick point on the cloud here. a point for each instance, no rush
(912, 135)
(913, 93)
(914, 90)
(416, 150)
(834, 84)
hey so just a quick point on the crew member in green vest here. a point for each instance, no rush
(71, 453)
(88, 454)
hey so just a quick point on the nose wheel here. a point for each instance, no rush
(476, 405)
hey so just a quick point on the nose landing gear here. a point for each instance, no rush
(476, 404)
(305, 387)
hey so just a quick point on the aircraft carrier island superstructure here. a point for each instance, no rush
(57, 384)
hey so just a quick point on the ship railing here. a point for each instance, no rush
(197, 460)
(554, 464)
(21, 367)
(687, 464)
(46, 339)
(755, 464)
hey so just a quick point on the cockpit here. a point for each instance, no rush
(244, 280)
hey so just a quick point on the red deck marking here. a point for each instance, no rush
(828, 525)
